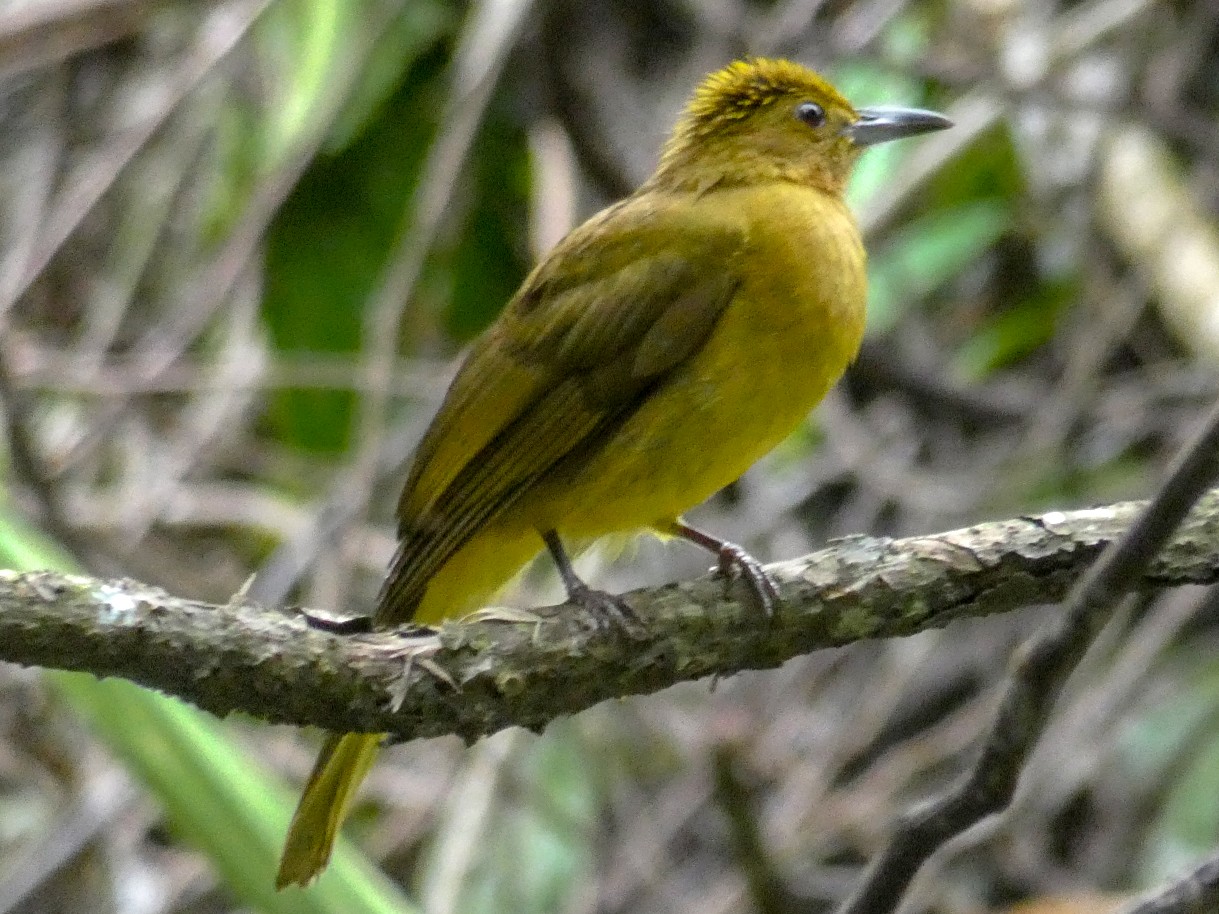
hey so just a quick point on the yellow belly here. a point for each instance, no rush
(786, 337)
(778, 348)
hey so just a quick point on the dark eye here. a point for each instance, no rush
(810, 113)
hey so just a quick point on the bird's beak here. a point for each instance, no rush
(882, 123)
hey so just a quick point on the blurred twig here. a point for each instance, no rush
(577, 112)
(28, 465)
(41, 34)
(78, 827)
(486, 40)
(1197, 893)
(767, 889)
(1037, 681)
(162, 343)
(220, 33)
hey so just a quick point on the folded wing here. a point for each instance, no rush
(595, 329)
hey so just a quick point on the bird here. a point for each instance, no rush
(657, 352)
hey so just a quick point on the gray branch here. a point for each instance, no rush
(512, 668)
(1196, 893)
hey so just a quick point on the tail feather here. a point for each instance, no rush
(479, 568)
(340, 767)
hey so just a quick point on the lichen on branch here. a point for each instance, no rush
(496, 670)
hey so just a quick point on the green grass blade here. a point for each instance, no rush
(215, 796)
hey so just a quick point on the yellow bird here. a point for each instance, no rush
(653, 356)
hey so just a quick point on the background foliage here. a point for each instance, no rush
(240, 242)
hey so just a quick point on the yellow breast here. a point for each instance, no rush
(787, 336)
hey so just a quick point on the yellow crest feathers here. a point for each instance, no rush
(745, 86)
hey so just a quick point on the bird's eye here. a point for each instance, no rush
(810, 113)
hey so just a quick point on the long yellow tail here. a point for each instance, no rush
(340, 768)
(478, 569)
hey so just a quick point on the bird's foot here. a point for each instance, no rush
(606, 611)
(735, 562)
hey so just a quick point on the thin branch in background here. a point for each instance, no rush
(59, 218)
(576, 112)
(35, 169)
(221, 32)
(784, 29)
(30, 468)
(470, 806)
(37, 35)
(37, 368)
(333, 513)
(161, 345)
(767, 888)
(1083, 738)
(204, 423)
(1197, 893)
(489, 35)
(144, 228)
(24, 874)
(1037, 681)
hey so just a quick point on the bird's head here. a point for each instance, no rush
(760, 120)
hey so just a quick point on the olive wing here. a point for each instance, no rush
(594, 330)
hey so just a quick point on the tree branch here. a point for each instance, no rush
(1041, 669)
(479, 676)
(1196, 893)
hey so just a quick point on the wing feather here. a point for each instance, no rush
(593, 331)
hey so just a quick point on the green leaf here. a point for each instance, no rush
(927, 253)
(536, 846)
(328, 245)
(1009, 336)
(215, 796)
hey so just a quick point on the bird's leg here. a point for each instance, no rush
(733, 561)
(603, 608)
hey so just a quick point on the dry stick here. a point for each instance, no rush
(486, 40)
(765, 886)
(203, 295)
(1045, 664)
(1197, 893)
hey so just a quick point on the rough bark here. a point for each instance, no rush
(478, 676)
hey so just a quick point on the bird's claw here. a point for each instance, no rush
(606, 611)
(735, 562)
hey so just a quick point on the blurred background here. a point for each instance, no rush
(241, 242)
